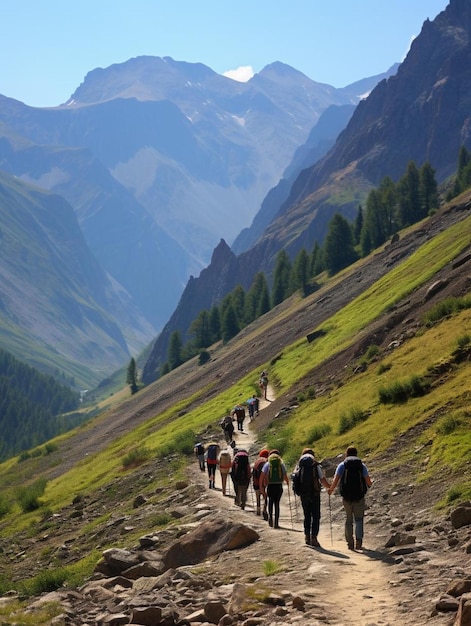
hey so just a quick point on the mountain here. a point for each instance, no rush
(60, 312)
(161, 158)
(421, 113)
(121, 480)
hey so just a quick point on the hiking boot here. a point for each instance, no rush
(270, 521)
(265, 515)
(307, 540)
(258, 511)
(350, 545)
(358, 544)
(315, 543)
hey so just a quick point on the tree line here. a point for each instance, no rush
(30, 406)
(388, 209)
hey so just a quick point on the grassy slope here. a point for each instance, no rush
(441, 414)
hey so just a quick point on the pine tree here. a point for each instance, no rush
(229, 325)
(281, 278)
(300, 272)
(339, 248)
(131, 376)
(175, 350)
(200, 328)
(428, 189)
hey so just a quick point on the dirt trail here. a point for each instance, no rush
(353, 585)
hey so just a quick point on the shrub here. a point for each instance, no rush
(448, 425)
(319, 431)
(136, 457)
(28, 497)
(399, 392)
(372, 352)
(463, 341)
(44, 582)
(204, 357)
(182, 443)
(4, 506)
(445, 308)
(354, 416)
(271, 567)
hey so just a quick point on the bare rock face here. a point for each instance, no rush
(210, 538)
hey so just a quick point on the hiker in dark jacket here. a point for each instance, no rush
(354, 479)
(307, 480)
(240, 474)
(227, 425)
(199, 453)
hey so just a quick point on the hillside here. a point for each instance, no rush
(97, 498)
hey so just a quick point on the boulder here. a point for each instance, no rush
(211, 537)
(461, 516)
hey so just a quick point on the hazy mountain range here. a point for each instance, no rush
(156, 160)
(159, 163)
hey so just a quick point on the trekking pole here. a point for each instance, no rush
(330, 518)
(290, 510)
(296, 507)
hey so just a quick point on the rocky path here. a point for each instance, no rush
(353, 586)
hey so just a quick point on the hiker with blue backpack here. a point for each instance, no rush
(354, 480)
(308, 478)
(273, 476)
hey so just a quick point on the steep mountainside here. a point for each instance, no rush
(59, 310)
(160, 159)
(419, 114)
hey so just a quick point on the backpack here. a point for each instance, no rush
(225, 460)
(241, 468)
(306, 478)
(275, 471)
(257, 470)
(352, 484)
(212, 452)
(199, 449)
(240, 412)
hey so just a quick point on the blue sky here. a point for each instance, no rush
(48, 46)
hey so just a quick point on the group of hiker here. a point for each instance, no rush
(238, 414)
(268, 474)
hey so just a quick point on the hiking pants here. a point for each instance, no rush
(201, 462)
(212, 472)
(274, 493)
(312, 514)
(224, 475)
(241, 496)
(355, 513)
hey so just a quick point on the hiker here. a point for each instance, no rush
(239, 412)
(225, 464)
(227, 424)
(307, 480)
(271, 485)
(240, 474)
(250, 405)
(199, 453)
(212, 453)
(256, 474)
(354, 479)
(263, 382)
(256, 405)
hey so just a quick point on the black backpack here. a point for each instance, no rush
(306, 477)
(352, 484)
(240, 470)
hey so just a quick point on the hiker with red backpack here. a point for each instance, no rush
(212, 453)
(240, 474)
(256, 474)
(354, 479)
(273, 476)
(307, 480)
